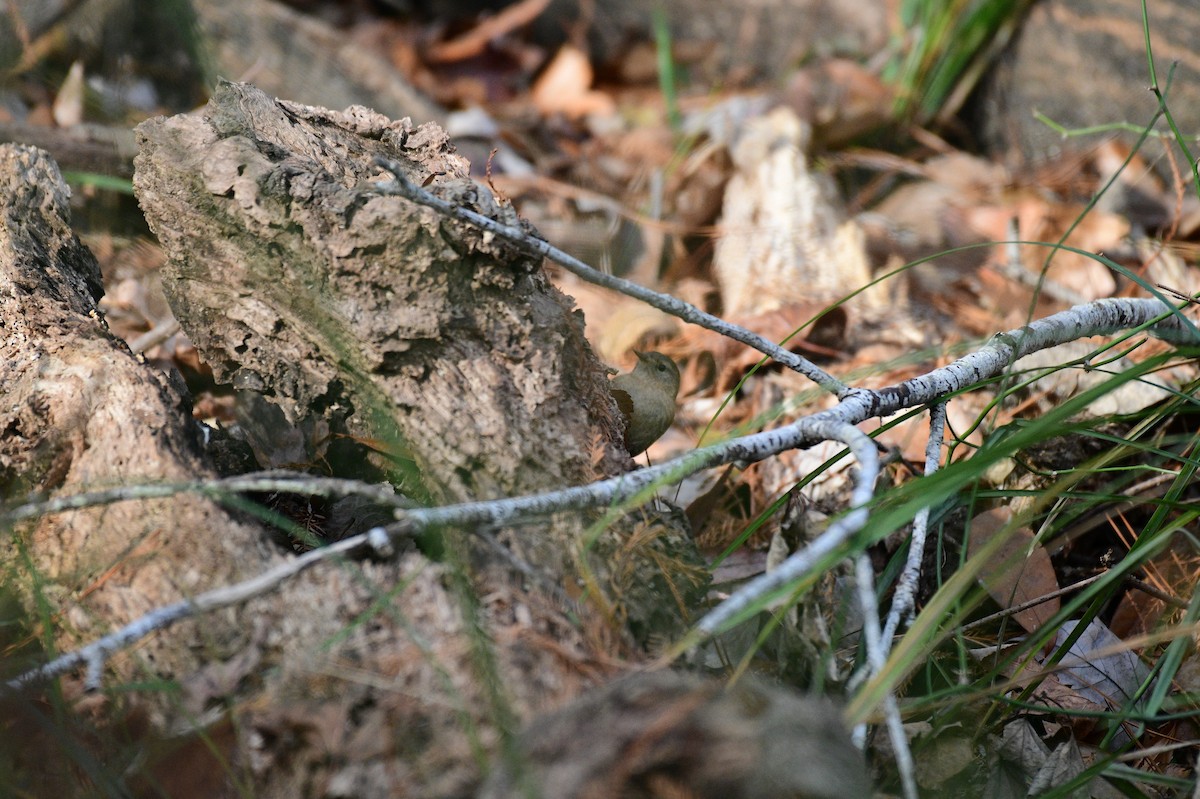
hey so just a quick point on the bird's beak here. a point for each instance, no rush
(641, 356)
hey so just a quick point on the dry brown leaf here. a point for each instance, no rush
(196, 764)
(1019, 571)
(1060, 385)
(717, 496)
(840, 98)
(942, 758)
(1041, 220)
(1137, 193)
(701, 182)
(565, 87)
(908, 436)
(474, 41)
(734, 359)
(1099, 673)
(630, 326)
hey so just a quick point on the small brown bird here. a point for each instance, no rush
(646, 398)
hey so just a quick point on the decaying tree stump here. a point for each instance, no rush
(80, 412)
(423, 340)
(296, 281)
(423, 336)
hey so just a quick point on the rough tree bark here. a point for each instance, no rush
(296, 281)
(80, 412)
(402, 330)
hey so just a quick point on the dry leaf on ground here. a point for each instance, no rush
(1020, 570)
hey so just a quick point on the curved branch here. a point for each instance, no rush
(1104, 316)
(404, 187)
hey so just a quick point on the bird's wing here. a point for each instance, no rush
(624, 402)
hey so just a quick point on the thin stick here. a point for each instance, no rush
(403, 187)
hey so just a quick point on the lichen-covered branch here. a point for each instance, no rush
(1102, 317)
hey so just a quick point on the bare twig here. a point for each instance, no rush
(876, 655)
(257, 482)
(1097, 318)
(403, 187)
(155, 336)
(904, 597)
(1031, 603)
(862, 448)
(95, 654)
(1132, 582)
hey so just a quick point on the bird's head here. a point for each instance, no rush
(658, 368)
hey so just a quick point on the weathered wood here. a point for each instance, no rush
(80, 411)
(665, 734)
(83, 148)
(288, 53)
(295, 280)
